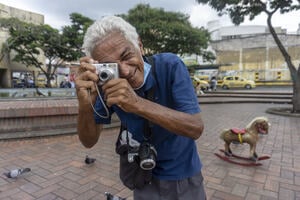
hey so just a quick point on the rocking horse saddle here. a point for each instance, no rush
(238, 131)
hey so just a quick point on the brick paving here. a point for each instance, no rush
(59, 171)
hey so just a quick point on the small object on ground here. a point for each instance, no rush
(109, 196)
(89, 160)
(16, 172)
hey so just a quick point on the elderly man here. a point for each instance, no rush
(173, 111)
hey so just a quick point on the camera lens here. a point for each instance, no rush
(147, 156)
(147, 164)
(105, 75)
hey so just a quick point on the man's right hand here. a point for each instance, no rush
(85, 82)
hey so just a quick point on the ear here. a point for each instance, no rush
(141, 46)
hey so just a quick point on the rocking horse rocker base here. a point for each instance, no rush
(258, 125)
(240, 160)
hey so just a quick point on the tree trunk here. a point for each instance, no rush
(49, 83)
(296, 96)
(295, 75)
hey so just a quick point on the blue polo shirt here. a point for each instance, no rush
(177, 156)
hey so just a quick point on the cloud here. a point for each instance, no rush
(56, 12)
(199, 15)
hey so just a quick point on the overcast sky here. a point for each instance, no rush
(56, 12)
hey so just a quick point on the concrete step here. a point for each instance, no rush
(216, 100)
(36, 117)
(260, 96)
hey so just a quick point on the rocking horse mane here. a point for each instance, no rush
(256, 119)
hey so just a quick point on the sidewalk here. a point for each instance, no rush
(59, 171)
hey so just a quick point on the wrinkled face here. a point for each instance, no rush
(262, 126)
(115, 48)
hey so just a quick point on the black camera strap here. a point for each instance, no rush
(148, 124)
(150, 96)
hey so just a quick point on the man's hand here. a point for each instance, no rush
(85, 81)
(119, 92)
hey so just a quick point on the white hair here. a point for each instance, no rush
(104, 27)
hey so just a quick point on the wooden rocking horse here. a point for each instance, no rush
(259, 125)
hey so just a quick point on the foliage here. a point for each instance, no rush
(74, 33)
(30, 42)
(239, 9)
(163, 31)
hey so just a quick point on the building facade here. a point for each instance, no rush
(12, 73)
(251, 52)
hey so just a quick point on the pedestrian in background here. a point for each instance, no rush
(65, 83)
(213, 84)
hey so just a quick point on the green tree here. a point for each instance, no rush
(239, 9)
(74, 33)
(30, 42)
(163, 31)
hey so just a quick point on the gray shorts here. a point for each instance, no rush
(187, 189)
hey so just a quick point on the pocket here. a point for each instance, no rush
(166, 188)
(128, 171)
(131, 175)
(196, 180)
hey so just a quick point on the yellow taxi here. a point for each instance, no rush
(237, 82)
(203, 84)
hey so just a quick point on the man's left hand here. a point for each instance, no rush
(119, 92)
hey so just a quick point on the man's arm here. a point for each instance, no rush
(189, 125)
(119, 92)
(87, 129)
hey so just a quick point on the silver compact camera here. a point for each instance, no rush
(106, 72)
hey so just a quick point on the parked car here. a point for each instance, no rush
(204, 85)
(237, 82)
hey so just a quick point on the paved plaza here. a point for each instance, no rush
(59, 171)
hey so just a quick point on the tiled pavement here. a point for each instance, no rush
(59, 171)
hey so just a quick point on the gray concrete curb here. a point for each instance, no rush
(283, 112)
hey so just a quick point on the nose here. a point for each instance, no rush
(123, 70)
